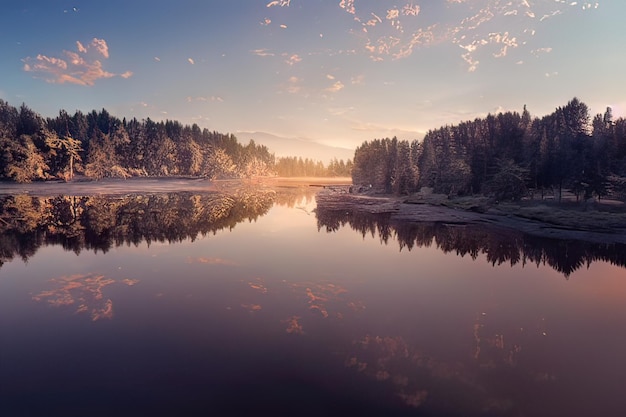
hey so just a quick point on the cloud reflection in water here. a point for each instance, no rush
(83, 291)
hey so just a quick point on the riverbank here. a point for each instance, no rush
(119, 186)
(600, 222)
(594, 222)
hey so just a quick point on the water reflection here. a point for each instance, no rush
(102, 222)
(498, 245)
(83, 292)
(276, 318)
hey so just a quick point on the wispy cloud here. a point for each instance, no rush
(262, 52)
(191, 99)
(549, 15)
(357, 80)
(211, 261)
(281, 3)
(540, 51)
(82, 67)
(82, 292)
(348, 6)
(294, 85)
(337, 86)
(484, 29)
(588, 6)
(340, 111)
(101, 46)
(293, 59)
(396, 29)
(472, 64)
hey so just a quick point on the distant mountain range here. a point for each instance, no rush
(306, 148)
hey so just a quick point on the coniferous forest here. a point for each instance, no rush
(507, 156)
(98, 145)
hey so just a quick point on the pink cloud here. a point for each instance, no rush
(101, 46)
(75, 67)
(294, 59)
(281, 3)
(80, 47)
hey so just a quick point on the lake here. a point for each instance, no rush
(260, 303)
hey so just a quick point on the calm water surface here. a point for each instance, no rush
(189, 305)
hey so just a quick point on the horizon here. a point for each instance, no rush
(336, 73)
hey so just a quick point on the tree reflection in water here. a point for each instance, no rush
(102, 222)
(497, 244)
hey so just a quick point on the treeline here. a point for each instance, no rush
(298, 167)
(99, 145)
(504, 155)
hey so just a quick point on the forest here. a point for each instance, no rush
(508, 156)
(98, 145)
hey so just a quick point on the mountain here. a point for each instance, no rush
(306, 148)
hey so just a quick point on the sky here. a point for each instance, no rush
(338, 72)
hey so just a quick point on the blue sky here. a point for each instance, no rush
(335, 71)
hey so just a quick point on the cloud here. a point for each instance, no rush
(485, 29)
(340, 111)
(80, 47)
(337, 86)
(539, 51)
(483, 24)
(261, 52)
(357, 80)
(211, 261)
(348, 6)
(82, 292)
(549, 15)
(101, 46)
(293, 325)
(588, 6)
(280, 3)
(82, 67)
(471, 62)
(293, 59)
(218, 99)
(294, 85)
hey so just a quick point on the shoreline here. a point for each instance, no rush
(537, 219)
(121, 186)
(402, 209)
